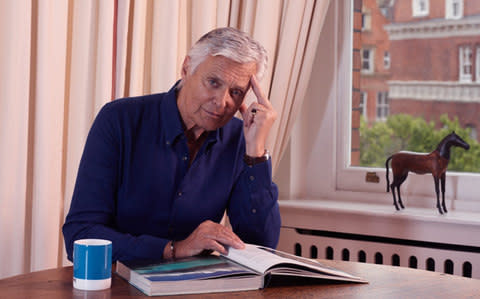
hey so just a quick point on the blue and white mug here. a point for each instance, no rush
(92, 264)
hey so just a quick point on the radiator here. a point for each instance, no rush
(433, 256)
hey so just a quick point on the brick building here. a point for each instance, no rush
(375, 60)
(418, 57)
(435, 60)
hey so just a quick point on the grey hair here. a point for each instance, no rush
(232, 44)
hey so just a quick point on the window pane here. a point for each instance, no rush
(423, 80)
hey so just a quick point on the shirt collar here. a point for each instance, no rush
(172, 121)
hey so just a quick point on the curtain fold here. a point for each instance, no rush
(15, 203)
(47, 108)
(61, 61)
(300, 32)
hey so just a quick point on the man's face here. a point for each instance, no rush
(212, 94)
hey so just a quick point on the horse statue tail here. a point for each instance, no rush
(386, 173)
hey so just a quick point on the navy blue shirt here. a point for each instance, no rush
(135, 186)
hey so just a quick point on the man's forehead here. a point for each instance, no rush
(226, 69)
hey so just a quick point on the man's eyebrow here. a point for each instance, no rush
(243, 89)
(214, 77)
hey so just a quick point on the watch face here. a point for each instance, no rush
(266, 156)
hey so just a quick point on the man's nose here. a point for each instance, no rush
(221, 98)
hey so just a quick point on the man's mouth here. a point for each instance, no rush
(213, 114)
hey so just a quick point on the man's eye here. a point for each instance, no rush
(213, 82)
(237, 93)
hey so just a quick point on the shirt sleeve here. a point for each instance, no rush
(253, 209)
(92, 210)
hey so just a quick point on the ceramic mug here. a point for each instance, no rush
(92, 264)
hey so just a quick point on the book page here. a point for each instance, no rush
(263, 259)
(254, 258)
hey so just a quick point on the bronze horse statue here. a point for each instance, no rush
(435, 163)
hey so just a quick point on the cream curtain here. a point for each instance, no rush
(60, 61)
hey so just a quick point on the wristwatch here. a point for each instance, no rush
(255, 160)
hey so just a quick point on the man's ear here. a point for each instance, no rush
(185, 67)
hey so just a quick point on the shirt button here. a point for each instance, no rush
(179, 193)
(252, 178)
(254, 211)
(185, 158)
(168, 142)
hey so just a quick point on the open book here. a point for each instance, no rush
(246, 269)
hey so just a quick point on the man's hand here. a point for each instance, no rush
(207, 236)
(258, 119)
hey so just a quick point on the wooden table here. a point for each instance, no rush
(385, 282)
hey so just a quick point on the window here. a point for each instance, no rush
(363, 104)
(382, 105)
(465, 64)
(386, 60)
(423, 89)
(453, 9)
(366, 21)
(367, 61)
(420, 8)
(330, 143)
(477, 65)
(473, 131)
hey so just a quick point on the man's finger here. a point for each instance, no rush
(226, 237)
(257, 90)
(243, 110)
(245, 114)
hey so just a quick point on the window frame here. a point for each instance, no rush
(462, 75)
(350, 181)
(449, 9)
(416, 8)
(386, 60)
(371, 60)
(382, 106)
(473, 132)
(363, 103)
(477, 64)
(366, 21)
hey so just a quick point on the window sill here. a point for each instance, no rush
(413, 223)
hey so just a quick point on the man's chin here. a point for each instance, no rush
(212, 126)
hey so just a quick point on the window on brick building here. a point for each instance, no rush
(465, 63)
(363, 104)
(473, 131)
(453, 9)
(382, 105)
(420, 8)
(386, 60)
(366, 21)
(367, 60)
(477, 65)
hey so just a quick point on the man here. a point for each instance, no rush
(158, 171)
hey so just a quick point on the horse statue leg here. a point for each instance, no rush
(397, 182)
(442, 181)
(402, 179)
(394, 198)
(437, 191)
(393, 187)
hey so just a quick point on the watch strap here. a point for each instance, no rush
(250, 161)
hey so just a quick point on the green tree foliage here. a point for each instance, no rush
(408, 133)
